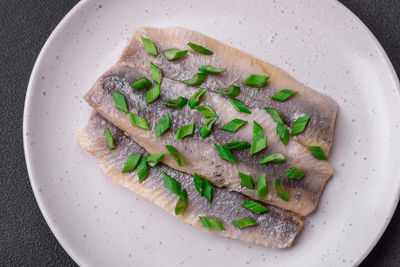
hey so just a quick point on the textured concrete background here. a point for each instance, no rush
(25, 239)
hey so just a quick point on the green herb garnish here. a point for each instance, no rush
(255, 207)
(200, 49)
(211, 223)
(141, 83)
(295, 174)
(181, 203)
(110, 139)
(317, 152)
(225, 154)
(259, 145)
(154, 159)
(131, 163)
(173, 54)
(300, 124)
(175, 154)
(120, 102)
(274, 157)
(236, 145)
(274, 114)
(156, 73)
(233, 125)
(283, 95)
(138, 121)
(198, 183)
(211, 69)
(283, 133)
(255, 80)
(195, 99)
(153, 94)
(176, 103)
(207, 190)
(257, 131)
(206, 110)
(207, 126)
(149, 46)
(280, 190)
(262, 187)
(246, 180)
(185, 131)
(142, 170)
(163, 125)
(245, 222)
(238, 105)
(197, 79)
(232, 90)
(171, 184)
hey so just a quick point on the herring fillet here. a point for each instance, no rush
(240, 65)
(276, 228)
(199, 154)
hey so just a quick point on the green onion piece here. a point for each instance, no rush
(185, 131)
(262, 187)
(198, 183)
(257, 131)
(283, 133)
(176, 103)
(245, 222)
(131, 163)
(171, 184)
(225, 154)
(238, 105)
(200, 49)
(110, 139)
(274, 157)
(175, 154)
(232, 90)
(149, 46)
(207, 190)
(236, 145)
(246, 180)
(295, 174)
(207, 126)
(233, 125)
(141, 83)
(211, 69)
(300, 124)
(211, 223)
(206, 110)
(283, 95)
(154, 159)
(153, 94)
(195, 99)
(255, 207)
(142, 170)
(274, 114)
(138, 121)
(255, 80)
(259, 145)
(197, 79)
(182, 201)
(317, 152)
(163, 125)
(120, 102)
(156, 73)
(280, 191)
(173, 54)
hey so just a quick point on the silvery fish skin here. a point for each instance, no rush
(276, 228)
(200, 155)
(240, 65)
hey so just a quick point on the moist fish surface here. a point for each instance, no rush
(200, 155)
(239, 65)
(276, 228)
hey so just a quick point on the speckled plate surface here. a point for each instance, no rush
(319, 42)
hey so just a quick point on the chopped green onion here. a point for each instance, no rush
(233, 125)
(232, 90)
(200, 49)
(110, 139)
(142, 170)
(141, 83)
(236, 145)
(225, 154)
(274, 157)
(195, 99)
(175, 154)
(262, 187)
(138, 121)
(207, 190)
(238, 105)
(153, 94)
(255, 207)
(171, 184)
(154, 159)
(274, 114)
(207, 126)
(163, 125)
(255, 80)
(156, 73)
(300, 124)
(149, 46)
(206, 110)
(176, 103)
(198, 183)
(283, 133)
(295, 174)
(317, 152)
(182, 201)
(259, 145)
(173, 54)
(283, 95)
(131, 163)
(197, 79)
(257, 131)
(246, 180)
(211, 223)
(185, 131)
(120, 102)
(280, 190)
(211, 69)
(245, 222)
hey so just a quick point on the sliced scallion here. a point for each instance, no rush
(236, 145)
(173, 54)
(280, 190)
(200, 49)
(153, 94)
(274, 157)
(245, 222)
(207, 126)
(185, 131)
(295, 174)
(317, 152)
(181, 203)
(257, 131)
(175, 154)
(255, 207)
(211, 223)
(283, 95)
(156, 73)
(142, 170)
(300, 124)
(283, 133)
(176, 103)
(211, 69)
(197, 79)
(255, 80)
(149, 46)
(239, 106)
(225, 154)
(195, 99)
(262, 187)
(131, 163)
(232, 90)
(110, 139)
(207, 190)
(138, 121)
(163, 125)
(206, 110)
(141, 83)
(171, 184)
(198, 183)
(246, 180)
(274, 114)
(259, 145)
(120, 102)
(154, 159)
(233, 125)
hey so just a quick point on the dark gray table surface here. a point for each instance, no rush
(25, 238)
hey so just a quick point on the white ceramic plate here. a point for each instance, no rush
(320, 43)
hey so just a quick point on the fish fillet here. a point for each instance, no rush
(240, 65)
(276, 228)
(200, 154)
